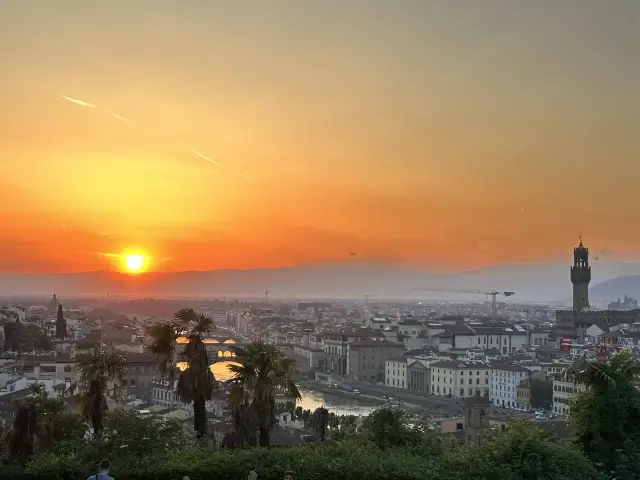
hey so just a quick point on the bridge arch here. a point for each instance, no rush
(220, 370)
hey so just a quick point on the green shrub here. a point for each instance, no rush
(523, 452)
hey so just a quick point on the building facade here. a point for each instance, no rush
(335, 345)
(504, 382)
(367, 358)
(396, 373)
(460, 379)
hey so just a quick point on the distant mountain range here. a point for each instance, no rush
(531, 282)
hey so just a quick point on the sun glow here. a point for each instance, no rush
(134, 263)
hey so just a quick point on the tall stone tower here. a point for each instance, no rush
(580, 277)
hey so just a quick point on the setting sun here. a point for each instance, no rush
(134, 263)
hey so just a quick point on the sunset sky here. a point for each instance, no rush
(437, 134)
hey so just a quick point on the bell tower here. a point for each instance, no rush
(580, 277)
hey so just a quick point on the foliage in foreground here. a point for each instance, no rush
(605, 420)
(522, 452)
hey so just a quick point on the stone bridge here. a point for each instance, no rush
(220, 355)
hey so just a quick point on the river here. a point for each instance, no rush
(334, 403)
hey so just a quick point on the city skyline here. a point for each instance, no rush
(443, 136)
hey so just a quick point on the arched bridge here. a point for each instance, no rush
(220, 355)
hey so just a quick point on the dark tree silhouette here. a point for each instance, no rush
(23, 437)
(320, 422)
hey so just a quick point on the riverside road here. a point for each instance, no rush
(368, 391)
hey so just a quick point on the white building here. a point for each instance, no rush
(563, 390)
(396, 372)
(460, 379)
(504, 380)
(506, 339)
(15, 383)
(378, 323)
(413, 334)
(308, 357)
(165, 395)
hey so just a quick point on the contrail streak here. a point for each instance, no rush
(78, 102)
(115, 115)
(82, 103)
(204, 157)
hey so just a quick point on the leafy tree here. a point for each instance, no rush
(129, 435)
(195, 382)
(522, 451)
(541, 393)
(57, 425)
(61, 325)
(389, 427)
(101, 374)
(23, 439)
(20, 337)
(605, 420)
(263, 372)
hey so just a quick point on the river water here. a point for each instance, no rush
(334, 403)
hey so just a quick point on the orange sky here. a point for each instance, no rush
(443, 135)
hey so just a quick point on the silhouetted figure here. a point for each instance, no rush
(105, 466)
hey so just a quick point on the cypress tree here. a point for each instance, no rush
(61, 325)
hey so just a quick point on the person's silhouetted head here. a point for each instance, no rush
(288, 475)
(105, 465)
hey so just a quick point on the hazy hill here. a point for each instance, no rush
(530, 282)
(616, 288)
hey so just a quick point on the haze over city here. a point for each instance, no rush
(298, 239)
(438, 136)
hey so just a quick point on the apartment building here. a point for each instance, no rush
(505, 379)
(367, 358)
(396, 373)
(142, 370)
(335, 345)
(308, 357)
(563, 391)
(506, 339)
(413, 334)
(460, 379)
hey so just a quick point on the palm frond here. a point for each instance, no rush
(162, 344)
(186, 316)
(203, 324)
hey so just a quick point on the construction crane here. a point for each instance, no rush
(492, 293)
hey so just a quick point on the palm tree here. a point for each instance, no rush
(97, 369)
(195, 381)
(621, 372)
(261, 373)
